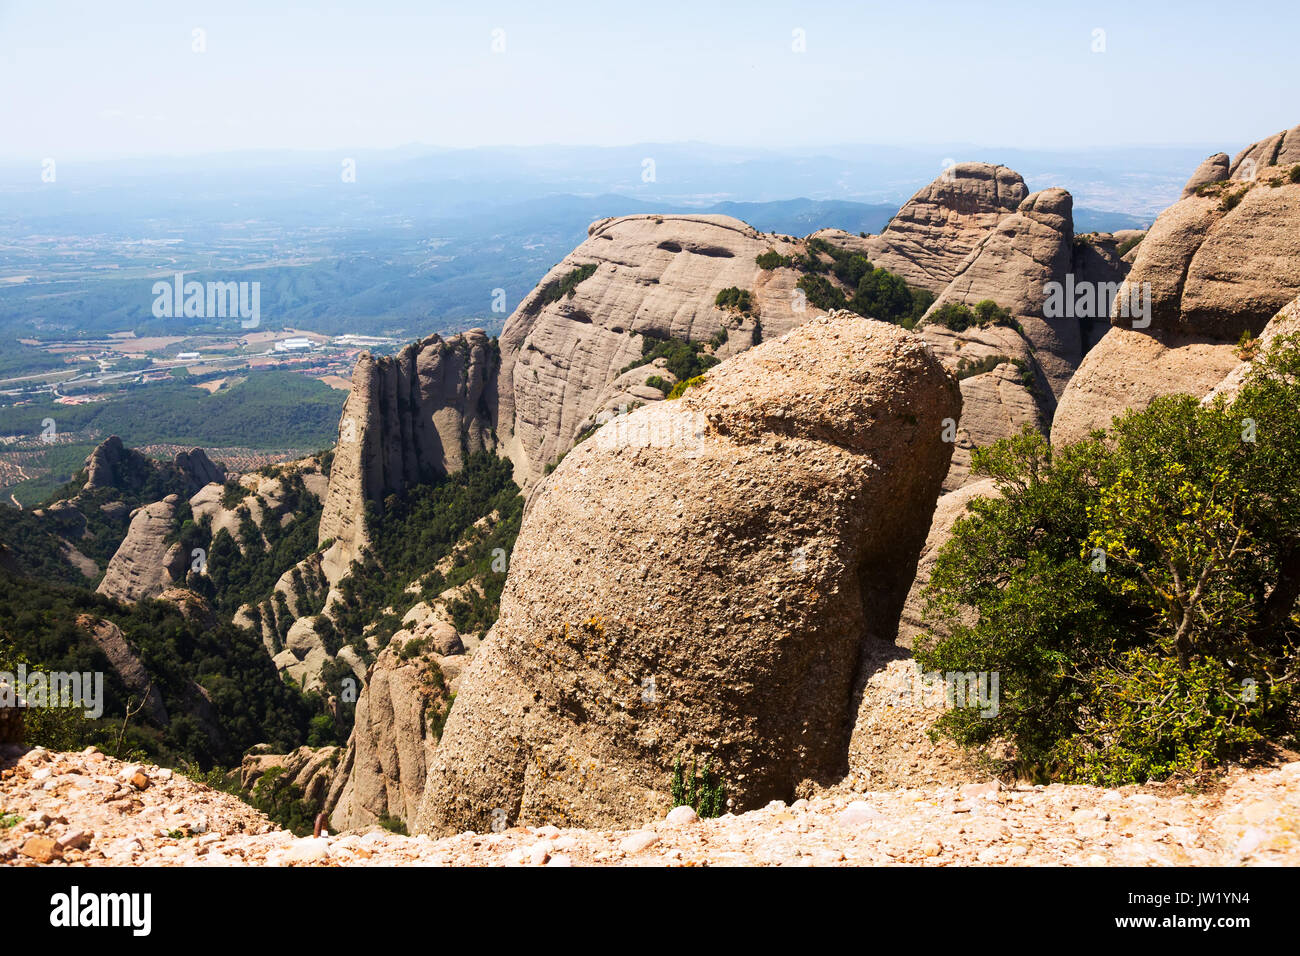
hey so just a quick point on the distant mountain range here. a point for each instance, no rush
(423, 239)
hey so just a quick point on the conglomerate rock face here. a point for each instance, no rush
(146, 563)
(944, 222)
(700, 579)
(1218, 263)
(409, 418)
(656, 276)
(1012, 266)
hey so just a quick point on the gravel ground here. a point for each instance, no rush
(87, 809)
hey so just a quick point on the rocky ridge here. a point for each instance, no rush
(1218, 263)
(409, 418)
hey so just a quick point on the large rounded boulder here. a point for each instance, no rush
(699, 580)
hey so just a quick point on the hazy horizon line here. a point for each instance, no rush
(938, 145)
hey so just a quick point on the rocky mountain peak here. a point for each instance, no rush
(409, 418)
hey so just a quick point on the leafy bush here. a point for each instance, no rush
(684, 359)
(773, 260)
(680, 388)
(283, 802)
(232, 494)
(566, 285)
(55, 727)
(1158, 719)
(735, 300)
(877, 293)
(1230, 200)
(822, 294)
(968, 369)
(959, 318)
(1136, 591)
(245, 702)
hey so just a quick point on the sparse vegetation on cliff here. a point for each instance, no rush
(959, 317)
(735, 300)
(1128, 245)
(680, 388)
(684, 359)
(773, 260)
(557, 289)
(968, 369)
(415, 531)
(877, 293)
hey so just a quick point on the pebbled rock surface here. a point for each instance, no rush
(702, 576)
(83, 810)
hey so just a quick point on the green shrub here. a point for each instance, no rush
(953, 315)
(1148, 718)
(773, 260)
(1230, 200)
(680, 388)
(1136, 591)
(232, 493)
(283, 802)
(439, 712)
(1129, 244)
(55, 727)
(735, 300)
(1026, 377)
(659, 382)
(877, 293)
(684, 359)
(703, 792)
(566, 285)
(968, 369)
(821, 293)
(959, 318)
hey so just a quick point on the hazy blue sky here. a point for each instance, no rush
(87, 79)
